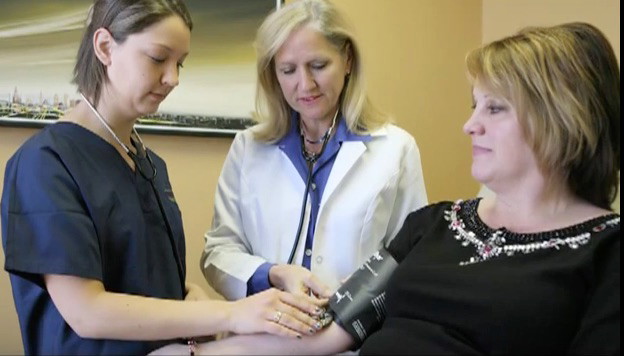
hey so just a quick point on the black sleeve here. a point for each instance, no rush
(359, 306)
(599, 331)
(415, 226)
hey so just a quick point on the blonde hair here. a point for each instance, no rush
(271, 106)
(564, 82)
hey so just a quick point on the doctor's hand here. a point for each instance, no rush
(297, 280)
(275, 312)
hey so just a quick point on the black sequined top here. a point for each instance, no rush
(464, 288)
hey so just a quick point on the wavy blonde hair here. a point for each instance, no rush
(271, 107)
(564, 82)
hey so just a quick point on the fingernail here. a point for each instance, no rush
(312, 331)
(318, 325)
(317, 310)
(299, 336)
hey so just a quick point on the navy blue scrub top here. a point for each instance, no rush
(71, 205)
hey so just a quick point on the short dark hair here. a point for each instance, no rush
(121, 18)
(564, 82)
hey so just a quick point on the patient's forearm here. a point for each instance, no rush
(331, 340)
(359, 301)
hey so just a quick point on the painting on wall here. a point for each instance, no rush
(39, 41)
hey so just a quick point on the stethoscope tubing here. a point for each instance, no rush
(310, 160)
(302, 214)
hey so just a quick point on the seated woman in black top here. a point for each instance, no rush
(535, 268)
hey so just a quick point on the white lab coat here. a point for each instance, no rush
(371, 189)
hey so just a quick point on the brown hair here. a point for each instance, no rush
(564, 82)
(121, 18)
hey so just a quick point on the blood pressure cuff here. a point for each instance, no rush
(359, 304)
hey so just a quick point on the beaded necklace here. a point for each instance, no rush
(311, 157)
(501, 242)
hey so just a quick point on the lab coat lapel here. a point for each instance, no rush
(348, 154)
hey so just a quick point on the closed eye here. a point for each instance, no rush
(495, 109)
(318, 66)
(158, 60)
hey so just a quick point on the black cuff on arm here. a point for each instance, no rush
(359, 304)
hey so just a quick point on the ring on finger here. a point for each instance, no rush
(277, 317)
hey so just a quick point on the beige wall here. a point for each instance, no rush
(414, 52)
(414, 55)
(502, 18)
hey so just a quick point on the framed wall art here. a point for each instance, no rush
(39, 41)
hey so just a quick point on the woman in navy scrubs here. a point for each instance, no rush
(91, 230)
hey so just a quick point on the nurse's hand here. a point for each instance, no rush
(297, 280)
(276, 312)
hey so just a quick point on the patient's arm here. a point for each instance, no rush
(330, 340)
(358, 309)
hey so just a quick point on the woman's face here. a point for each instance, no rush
(311, 73)
(501, 157)
(144, 69)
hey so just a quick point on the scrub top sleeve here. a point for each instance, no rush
(48, 229)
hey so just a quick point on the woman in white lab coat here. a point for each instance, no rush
(323, 181)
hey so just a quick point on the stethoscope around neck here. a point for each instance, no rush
(149, 176)
(140, 147)
(310, 159)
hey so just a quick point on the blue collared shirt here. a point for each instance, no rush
(291, 146)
